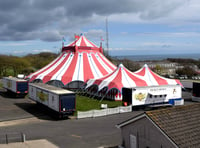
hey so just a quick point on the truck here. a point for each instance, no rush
(196, 91)
(153, 95)
(59, 101)
(16, 86)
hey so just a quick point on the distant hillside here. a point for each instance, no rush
(38, 61)
(13, 65)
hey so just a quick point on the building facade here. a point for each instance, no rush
(164, 128)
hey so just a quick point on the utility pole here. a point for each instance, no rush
(107, 46)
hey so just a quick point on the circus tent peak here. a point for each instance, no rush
(120, 77)
(154, 79)
(82, 43)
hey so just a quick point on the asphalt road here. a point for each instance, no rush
(88, 133)
(73, 133)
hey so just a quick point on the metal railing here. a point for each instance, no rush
(12, 137)
(103, 112)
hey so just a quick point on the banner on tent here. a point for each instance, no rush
(103, 112)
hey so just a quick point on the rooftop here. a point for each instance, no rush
(181, 124)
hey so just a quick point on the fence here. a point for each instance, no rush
(103, 112)
(12, 137)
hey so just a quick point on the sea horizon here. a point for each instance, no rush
(158, 57)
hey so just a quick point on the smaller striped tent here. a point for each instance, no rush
(153, 79)
(110, 86)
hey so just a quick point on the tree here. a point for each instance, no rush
(186, 71)
(3, 65)
(158, 69)
(130, 65)
(18, 65)
(40, 60)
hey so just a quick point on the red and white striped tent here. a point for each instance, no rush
(153, 79)
(78, 62)
(110, 86)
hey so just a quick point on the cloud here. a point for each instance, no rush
(41, 50)
(21, 52)
(170, 34)
(49, 20)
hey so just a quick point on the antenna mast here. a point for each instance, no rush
(107, 46)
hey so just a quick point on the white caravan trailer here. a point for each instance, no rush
(152, 95)
(60, 101)
(188, 84)
(15, 85)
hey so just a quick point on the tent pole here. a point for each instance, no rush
(95, 94)
(102, 98)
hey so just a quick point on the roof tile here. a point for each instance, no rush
(180, 123)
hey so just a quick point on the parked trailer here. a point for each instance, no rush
(196, 91)
(153, 95)
(15, 85)
(188, 84)
(61, 101)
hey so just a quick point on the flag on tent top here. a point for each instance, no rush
(76, 37)
(63, 39)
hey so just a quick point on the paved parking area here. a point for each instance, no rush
(12, 108)
(88, 133)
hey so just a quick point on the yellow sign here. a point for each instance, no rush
(42, 96)
(140, 96)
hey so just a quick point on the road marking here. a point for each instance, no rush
(30, 144)
(20, 121)
(76, 136)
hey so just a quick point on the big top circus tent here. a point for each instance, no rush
(78, 62)
(110, 86)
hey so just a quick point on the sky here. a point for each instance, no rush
(135, 27)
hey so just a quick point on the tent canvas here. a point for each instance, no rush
(113, 83)
(79, 61)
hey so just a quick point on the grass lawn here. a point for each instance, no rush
(84, 103)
